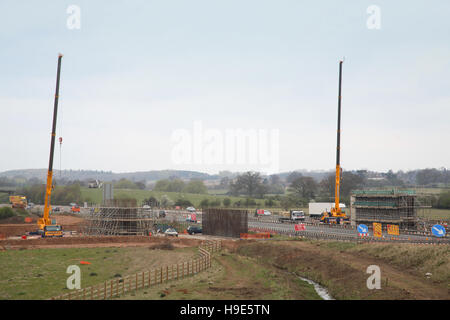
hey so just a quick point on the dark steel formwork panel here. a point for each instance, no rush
(225, 222)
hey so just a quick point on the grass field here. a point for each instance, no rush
(434, 214)
(41, 273)
(246, 270)
(232, 277)
(262, 270)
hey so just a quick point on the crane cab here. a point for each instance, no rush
(52, 231)
(334, 217)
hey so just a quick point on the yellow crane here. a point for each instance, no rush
(47, 227)
(336, 214)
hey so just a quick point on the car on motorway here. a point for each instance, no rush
(190, 209)
(171, 232)
(56, 209)
(194, 229)
(161, 214)
(146, 206)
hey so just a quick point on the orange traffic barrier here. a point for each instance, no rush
(84, 262)
(28, 219)
(185, 231)
(262, 235)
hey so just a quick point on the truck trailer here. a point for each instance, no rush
(317, 208)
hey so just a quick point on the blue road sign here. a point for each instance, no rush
(438, 230)
(362, 228)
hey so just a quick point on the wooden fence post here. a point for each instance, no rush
(149, 278)
(136, 286)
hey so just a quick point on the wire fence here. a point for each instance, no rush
(120, 286)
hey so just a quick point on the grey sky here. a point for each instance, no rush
(137, 71)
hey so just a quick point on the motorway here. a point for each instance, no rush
(271, 223)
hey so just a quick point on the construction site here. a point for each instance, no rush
(175, 252)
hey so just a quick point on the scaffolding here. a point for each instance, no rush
(385, 207)
(116, 221)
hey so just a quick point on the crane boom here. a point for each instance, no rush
(338, 146)
(336, 214)
(45, 220)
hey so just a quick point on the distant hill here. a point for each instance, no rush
(81, 175)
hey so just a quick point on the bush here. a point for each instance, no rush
(269, 203)
(226, 202)
(6, 212)
(249, 202)
(215, 203)
(183, 203)
(204, 203)
(444, 201)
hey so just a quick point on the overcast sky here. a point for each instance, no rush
(136, 73)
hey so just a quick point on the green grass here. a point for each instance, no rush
(231, 277)
(434, 191)
(41, 273)
(434, 214)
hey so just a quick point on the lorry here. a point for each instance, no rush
(294, 216)
(317, 208)
(18, 201)
(262, 212)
